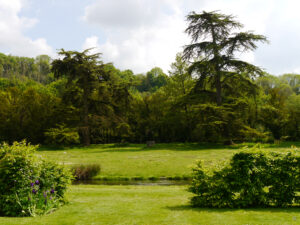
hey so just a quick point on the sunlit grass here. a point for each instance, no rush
(162, 160)
(106, 204)
(148, 205)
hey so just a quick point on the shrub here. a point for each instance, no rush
(254, 135)
(62, 136)
(85, 172)
(29, 185)
(251, 179)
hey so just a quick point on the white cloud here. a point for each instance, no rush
(282, 28)
(141, 34)
(125, 14)
(12, 27)
(91, 42)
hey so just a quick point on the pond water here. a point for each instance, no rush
(162, 182)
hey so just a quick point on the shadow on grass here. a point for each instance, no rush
(171, 147)
(102, 148)
(58, 148)
(295, 209)
(73, 147)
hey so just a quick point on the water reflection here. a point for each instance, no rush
(163, 182)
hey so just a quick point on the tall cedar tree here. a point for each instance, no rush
(85, 71)
(214, 45)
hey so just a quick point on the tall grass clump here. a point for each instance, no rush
(85, 172)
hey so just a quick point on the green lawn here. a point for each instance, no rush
(148, 205)
(104, 204)
(162, 160)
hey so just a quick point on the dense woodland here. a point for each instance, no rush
(139, 107)
(80, 99)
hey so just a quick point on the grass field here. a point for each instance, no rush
(148, 205)
(138, 161)
(106, 204)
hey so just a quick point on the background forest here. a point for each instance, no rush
(127, 107)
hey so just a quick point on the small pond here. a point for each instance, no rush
(161, 182)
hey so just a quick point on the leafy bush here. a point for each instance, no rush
(29, 185)
(85, 172)
(251, 179)
(62, 136)
(254, 135)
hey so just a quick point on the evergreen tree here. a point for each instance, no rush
(215, 45)
(84, 71)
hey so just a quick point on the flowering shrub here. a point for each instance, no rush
(29, 185)
(252, 179)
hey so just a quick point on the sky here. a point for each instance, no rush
(142, 34)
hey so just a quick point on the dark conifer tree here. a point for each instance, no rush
(85, 71)
(214, 44)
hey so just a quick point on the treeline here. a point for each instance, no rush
(37, 69)
(124, 107)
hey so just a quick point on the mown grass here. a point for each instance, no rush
(137, 162)
(104, 204)
(149, 205)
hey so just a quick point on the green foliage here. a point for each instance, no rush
(95, 91)
(85, 171)
(37, 69)
(107, 105)
(29, 185)
(254, 135)
(252, 179)
(62, 135)
(152, 81)
(27, 113)
(214, 46)
(279, 105)
(83, 72)
(222, 80)
(208, 95)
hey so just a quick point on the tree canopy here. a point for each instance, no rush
(213, 48)
(209, 95)
(84, 71)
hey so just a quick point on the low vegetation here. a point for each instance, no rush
(85, 172)
(29, 185)
(251, 179)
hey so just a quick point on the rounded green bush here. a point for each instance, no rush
(251, 179)
(29, 185)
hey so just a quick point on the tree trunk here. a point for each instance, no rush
(85, 131)
(219, 89)
(86, 127)
(217, 68)
(188, 121)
